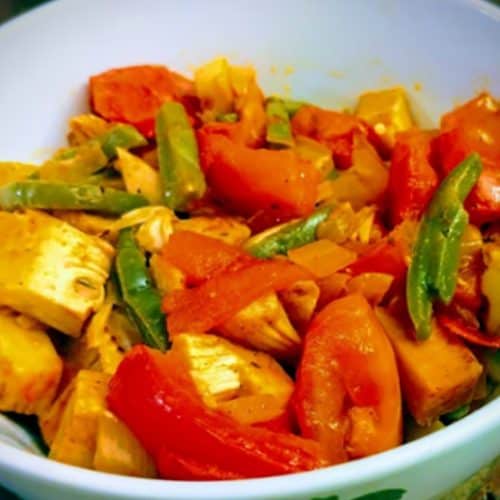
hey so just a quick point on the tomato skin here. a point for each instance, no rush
(412, 178)
(134, 94)
(457, 326)
(151, 393)
(200, 257)
(475, 127)
(336, 131)
(248, 181)
(385, 256)
(348, 393)
(217, 300)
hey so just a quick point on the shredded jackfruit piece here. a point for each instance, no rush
(51, 270)
(227, 229)
(227, 376)
(264, 325)
(30, 369)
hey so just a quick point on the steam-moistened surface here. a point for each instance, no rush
(209, 283)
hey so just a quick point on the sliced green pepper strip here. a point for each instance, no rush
(59, 196)
(178, 157)
(120, 136)
(142, 299)
(290, 236)
(434, 267)
(279, 130)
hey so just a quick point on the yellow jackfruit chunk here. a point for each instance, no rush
(139, 176)
(11, 171)
(75, 440)
(387, 111)
(97, 349)
(299, 301)
(95, 225)
(490, 286)
(437, 376)
(228, 377)
(51, 270)
(227, 229)
(85, 127)
(81, 431)
(118, 451)
(30, 369)
(263, 325)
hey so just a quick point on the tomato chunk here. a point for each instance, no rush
(152, 395)
(475, 127)
(217, 300)
(248, 181)
(412, 178)
(348, 393)
(134, 94)
(335, 130)
(200, 257)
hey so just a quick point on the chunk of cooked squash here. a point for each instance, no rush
(51, 270)
(75, 440)
(387, 111)
(263, 325)
(118, 451)
(437, 375)
(30, 369)
(229, 377)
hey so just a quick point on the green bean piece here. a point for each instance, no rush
(59, 196)
(181, 175)
(120, 136)
(455, 415)
(290, 236)
(141, 298)
(279, 129)
(434, 267)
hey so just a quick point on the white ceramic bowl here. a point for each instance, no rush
(336, 49)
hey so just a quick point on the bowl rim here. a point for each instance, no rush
(45, 470)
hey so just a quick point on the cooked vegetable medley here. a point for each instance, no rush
(210, 284)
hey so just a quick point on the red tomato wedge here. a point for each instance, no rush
(153, 396)
(219, 299)
(348, 394)
(200, 257)
(385, 256)
(458, 327)
(134, 94)
(335, 130)
(248, 181)
(475, 127)
(412, 178)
